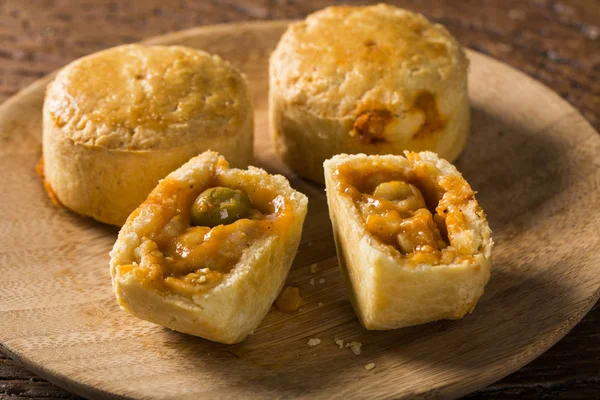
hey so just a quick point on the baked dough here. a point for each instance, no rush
(411, 238)
(117, 121)
(374, 80)
(221, 285)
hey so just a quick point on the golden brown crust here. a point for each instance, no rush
(355, 48)
(137, 97)
(386, 80)
(117, 121)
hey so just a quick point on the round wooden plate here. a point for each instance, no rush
(531, 156)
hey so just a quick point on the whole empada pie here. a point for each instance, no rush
(414, 243)
(209, 250)
(375, 79)
(117, 121)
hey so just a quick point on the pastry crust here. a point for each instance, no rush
(391, 289)
(232, 306)
(375, 80)
(117, 121)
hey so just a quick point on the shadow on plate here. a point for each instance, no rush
(514, 171)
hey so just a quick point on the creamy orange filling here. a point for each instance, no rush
(379, 125)
(39, 169)
(370, 126)
(403, 212)
(188, 259)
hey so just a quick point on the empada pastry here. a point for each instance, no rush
(209, 250)
(374, 79)
(117, 121)
(411, 238)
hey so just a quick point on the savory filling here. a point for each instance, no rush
(402, 211)
(202, 243)
(422, 121)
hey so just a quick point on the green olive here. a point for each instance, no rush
(220, 206)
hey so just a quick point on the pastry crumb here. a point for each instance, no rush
(355, 347)
(322, 281)
(339, 342)
(314, 342)
(312, 282)
(370, 366)
(320, 304)
(289, 299)
(314, 268)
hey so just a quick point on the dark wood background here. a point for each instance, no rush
(556, 42)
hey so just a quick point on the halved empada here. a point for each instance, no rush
(209, 250)
(410, 235)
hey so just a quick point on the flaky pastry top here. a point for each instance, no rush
(137, 97)
(341, 61)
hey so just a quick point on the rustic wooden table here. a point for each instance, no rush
(556, 42)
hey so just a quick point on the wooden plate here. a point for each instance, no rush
(531, 156)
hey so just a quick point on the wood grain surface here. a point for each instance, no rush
(555, 42)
